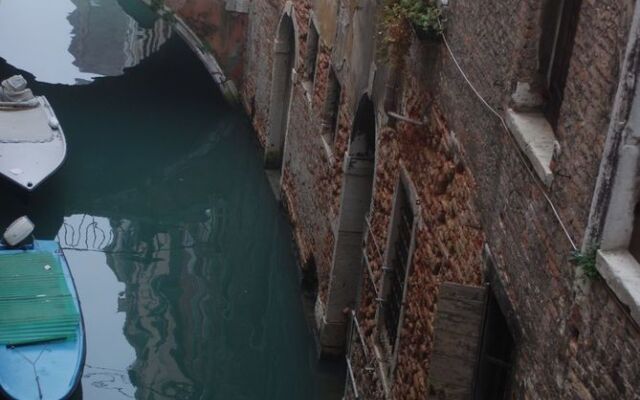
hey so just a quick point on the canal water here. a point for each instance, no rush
(182, 257)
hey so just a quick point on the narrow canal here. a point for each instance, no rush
(182, 258)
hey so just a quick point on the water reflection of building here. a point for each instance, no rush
(165, 248)
(106, 40)
(166, 273)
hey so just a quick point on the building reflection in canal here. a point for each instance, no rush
(85, 39)
(182, 258)
(105, 40)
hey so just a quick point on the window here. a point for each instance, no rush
(312, 52)
(398, 258)
(556, 48)
(634, 243)
(496, 352)
(331, 107)
(533, 118)
(618, 258)
(473, 347)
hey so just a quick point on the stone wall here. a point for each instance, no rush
(474, 187)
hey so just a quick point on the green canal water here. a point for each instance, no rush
(182, 257)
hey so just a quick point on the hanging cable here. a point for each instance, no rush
(512, 141)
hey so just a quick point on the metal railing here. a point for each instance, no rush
(352, 379)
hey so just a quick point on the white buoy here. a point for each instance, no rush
(18, 231)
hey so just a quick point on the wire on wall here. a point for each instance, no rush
(548, 200)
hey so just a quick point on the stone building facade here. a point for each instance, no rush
(465, 213)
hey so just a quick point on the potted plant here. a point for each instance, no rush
(425, 17)
(400, 18)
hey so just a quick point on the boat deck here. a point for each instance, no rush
(32, 144)
(47, 370)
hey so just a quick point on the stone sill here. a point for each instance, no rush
(536, 139)
(621, 271)
(307, 87)
(238, 6)
(328, 149)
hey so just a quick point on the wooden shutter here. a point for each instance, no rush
(457, 331)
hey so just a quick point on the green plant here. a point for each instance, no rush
(399, 19)
(587, 262)
(424, 15)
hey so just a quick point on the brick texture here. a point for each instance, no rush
(472, 184)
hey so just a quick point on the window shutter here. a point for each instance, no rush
(457, 331)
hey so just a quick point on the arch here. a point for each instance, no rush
(362, 143)
(284, 58)
(355, 203)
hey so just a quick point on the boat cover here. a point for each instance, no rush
(35, 302)
(26, 125)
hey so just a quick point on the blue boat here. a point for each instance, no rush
(47, 369)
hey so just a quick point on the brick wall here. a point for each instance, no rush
(472, 185)
(530, 249)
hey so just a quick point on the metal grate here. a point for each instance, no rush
(398, 268)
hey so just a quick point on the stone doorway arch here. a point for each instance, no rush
(281, 92)
(356, 198)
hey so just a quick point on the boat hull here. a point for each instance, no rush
(45, 371)
(32, 144)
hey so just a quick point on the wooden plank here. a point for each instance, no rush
(456, 339)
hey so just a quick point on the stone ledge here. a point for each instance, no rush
(535, 137)
(621, 271)
(307, 87)
(328, 149)
(239, 6)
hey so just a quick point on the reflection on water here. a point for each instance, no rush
(104, 316)
(74, 41)
(182, 259)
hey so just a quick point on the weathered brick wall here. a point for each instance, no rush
(530, 249)
(313, 176)
(448, 243)
(472, 185)
(601, 350)
(314, 181)
(593, 78)
(256, 88)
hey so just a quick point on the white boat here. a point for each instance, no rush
(32, 144)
